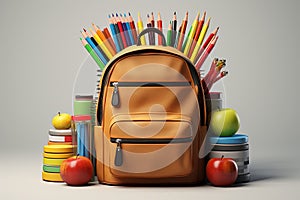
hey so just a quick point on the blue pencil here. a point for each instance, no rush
(114, 34)
(129, 30)
(91, 43)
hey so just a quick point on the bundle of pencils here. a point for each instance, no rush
(102, 45)
(214, 74)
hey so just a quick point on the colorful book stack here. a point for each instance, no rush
(58, 149)
(235, 147)
(103, 45)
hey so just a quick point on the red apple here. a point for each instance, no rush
(76, 170)
(221, 171)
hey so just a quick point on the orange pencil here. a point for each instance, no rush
(104, 39)
(109, 38)
(182, 31)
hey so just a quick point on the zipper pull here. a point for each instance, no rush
(119, 155)
(115, 101)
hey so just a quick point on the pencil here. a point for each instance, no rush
(182, 31)
(109, 39)
(125, 30)
(207, 41)
(174, 28)
(186, 39)
(191, 35)
(92, 53)
(140, 28)
(150, 35)
(152, 25)
(91, 41)
(104, 39)
(159, 26)
(118, 32)
(169, 34)
(120, 26)
(197, 34)
(114, 33)
(207, 51)
(101, 44)
(200, 40)
(129, 30)
(133, 28)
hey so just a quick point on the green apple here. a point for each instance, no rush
(61, 121)
(225, 122)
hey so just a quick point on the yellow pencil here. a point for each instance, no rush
(101, 44)
(140, 28)
(200, 40)
(191, 35)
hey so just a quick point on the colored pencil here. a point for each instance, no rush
(118, 31)
(104, 39)
(130, 34)
(197, 34)
(200, 40)
(125, 30)
(120, 26)
(114, 33)
(174, 28)
(169, 34)
(101, 44)
(207, 41)
(182, 31)
(141, 28)
(207, 51)
(92, 53)
(159, 26)
(152, 25)
(150, 35)
(91, 41)
(133, 28)
(191, 35)
(109, 39)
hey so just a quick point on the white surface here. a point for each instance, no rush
(41, 54)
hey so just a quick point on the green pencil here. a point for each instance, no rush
(92, 53)
(169, 34)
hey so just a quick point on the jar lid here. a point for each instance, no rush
(81, 117)
(235, 139)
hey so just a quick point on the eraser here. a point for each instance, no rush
(60, 138)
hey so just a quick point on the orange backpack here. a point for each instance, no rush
(151, 118)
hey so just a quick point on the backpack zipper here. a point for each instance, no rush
(119, 141)
(115, 100)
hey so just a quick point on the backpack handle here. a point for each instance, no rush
(149, 30)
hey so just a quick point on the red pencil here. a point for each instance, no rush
(109, 38)
(159, 26)
(120, 26)
(211, 45)
(209, 38)
(132, 26)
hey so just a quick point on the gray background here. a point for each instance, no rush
(40, 55)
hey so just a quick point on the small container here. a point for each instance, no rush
(83, 104)
(83, 134)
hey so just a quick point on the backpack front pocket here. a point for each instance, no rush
(150, 145)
